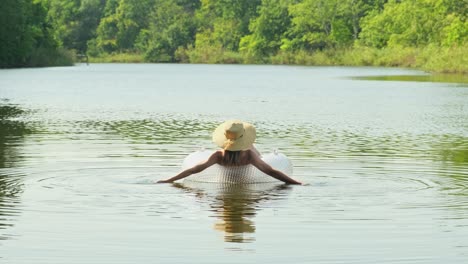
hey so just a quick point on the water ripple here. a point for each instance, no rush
(385, 162)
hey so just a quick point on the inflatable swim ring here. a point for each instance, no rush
(238, 174)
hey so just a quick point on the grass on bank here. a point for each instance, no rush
(42, 57)
(431, 58)
(118, 58)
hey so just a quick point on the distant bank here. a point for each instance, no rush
(431, 58)
(426, 34)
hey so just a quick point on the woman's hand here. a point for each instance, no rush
(164, 181)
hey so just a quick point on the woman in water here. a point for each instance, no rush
(236, 139)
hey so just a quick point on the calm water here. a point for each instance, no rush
(386, 163)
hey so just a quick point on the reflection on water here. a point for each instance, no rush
(165, 130)
(442, 78)
(454, 151)
(12, 133)
(235, 205)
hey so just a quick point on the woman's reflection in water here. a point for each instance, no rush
(235, 205)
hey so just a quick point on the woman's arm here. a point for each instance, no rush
(213, 159)
(267, 169)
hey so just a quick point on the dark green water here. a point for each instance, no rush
(460, 79)
(80, 148)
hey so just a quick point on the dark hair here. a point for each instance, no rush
(231, 158)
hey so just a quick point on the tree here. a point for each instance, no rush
(62, 15)
(414, 23)
(171, 26)
(74, 22)
(122, 22)
(15, 44)
(88, 18)
(25, 38)
(267, 28)
(222, 23)
(455, 31)
(355, 10)
(314, 22)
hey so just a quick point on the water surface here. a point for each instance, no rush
(80, 148)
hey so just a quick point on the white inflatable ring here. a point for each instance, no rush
(238, 174)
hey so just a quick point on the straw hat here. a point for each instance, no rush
(234, 135)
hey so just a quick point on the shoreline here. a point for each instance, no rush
(434, 60)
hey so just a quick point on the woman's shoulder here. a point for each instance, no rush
(249, 155)
(217, 155)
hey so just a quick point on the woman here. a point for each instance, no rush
(236, 139)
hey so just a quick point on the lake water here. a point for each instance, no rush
(386, 164)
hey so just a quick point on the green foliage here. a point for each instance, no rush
(74, 22)
(89, 15)
(123, 20)
(221, 25)
(312, 22)
(62, 15)
(414, 23)
(16, 44)
(324, 24)
(355, 10)
(106, 39)
(171, 26)
(319, 32)
(456, 31)
(239, 12)
(267, 29)
(25, 37)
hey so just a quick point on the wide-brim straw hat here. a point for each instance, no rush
(234, 135)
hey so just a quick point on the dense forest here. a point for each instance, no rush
(412, 33)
